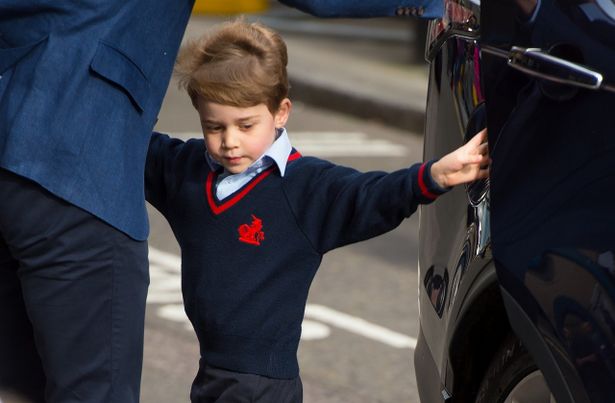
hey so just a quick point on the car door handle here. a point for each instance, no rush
(538, 63)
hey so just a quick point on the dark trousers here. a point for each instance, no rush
(72, 301)
(215, 385)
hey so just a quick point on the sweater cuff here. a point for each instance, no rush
(428, 188)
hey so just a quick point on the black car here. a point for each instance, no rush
(517, 273)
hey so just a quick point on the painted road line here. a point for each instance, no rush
(334, 144)
(359, 326)
(165, 259)
(165, 290)
(345, 144)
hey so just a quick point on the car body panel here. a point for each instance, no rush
(547, 214)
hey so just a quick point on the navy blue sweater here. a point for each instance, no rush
(248, 261)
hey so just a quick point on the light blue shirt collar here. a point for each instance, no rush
(227, 183)
(278, 152)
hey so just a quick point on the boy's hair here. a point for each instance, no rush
(239, 64)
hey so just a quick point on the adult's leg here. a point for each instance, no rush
(84, 285)
(21, 373)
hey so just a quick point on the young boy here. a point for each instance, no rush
(253, 217)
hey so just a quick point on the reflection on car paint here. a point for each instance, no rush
(465, 78)
(462, 264)
(436, 286)
(575, 290)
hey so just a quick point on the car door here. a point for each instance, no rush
(549, 87)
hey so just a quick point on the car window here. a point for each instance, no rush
(608, 7)
(596, 18)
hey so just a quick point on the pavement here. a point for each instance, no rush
(370, 68)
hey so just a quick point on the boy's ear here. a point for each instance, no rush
(282, 114)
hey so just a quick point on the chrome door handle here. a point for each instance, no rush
(536, 62)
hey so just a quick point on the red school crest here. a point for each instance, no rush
(251, 233)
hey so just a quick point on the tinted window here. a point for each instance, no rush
(595, 17)
(608, 6)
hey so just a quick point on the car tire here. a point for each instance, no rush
(513, 376)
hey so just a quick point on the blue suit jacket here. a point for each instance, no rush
(82, 83)
(370, 8)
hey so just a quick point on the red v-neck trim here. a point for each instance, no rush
(220, 208)
(217, 209)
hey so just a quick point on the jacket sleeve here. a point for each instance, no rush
(370, 8)
(336, 206)
(161, 176)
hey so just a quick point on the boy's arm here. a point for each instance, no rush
(160, 178)
(336, 206)
(370, 8)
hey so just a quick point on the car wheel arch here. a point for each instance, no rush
(481, 308)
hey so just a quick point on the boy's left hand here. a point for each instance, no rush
(468, 163)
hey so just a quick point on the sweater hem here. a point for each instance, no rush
(251, 356)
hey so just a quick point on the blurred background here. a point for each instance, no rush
(358, 92)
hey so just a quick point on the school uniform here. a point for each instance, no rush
(248, 259)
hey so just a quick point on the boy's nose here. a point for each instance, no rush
(230, 139)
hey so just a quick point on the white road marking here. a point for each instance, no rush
(359, 326)
(334, 144)
(311, 330)
(175, 313)
(166, 259)
(165, 289)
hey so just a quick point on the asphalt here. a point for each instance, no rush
(370, 68)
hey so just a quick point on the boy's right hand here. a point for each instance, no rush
(468, 163)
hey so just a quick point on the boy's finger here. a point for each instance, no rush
(472, 159)
(479, 137)
(483, 147)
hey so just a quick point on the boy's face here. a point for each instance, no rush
(236, 137)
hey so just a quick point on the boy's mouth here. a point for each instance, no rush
(233, 160)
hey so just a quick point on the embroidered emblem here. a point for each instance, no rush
(252, 233)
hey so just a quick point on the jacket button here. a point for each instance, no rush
(399, 11)
(420, 11)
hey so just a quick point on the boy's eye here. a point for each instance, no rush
(245, 126)
(213, 128)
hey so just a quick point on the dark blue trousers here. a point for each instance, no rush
(72, 301)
